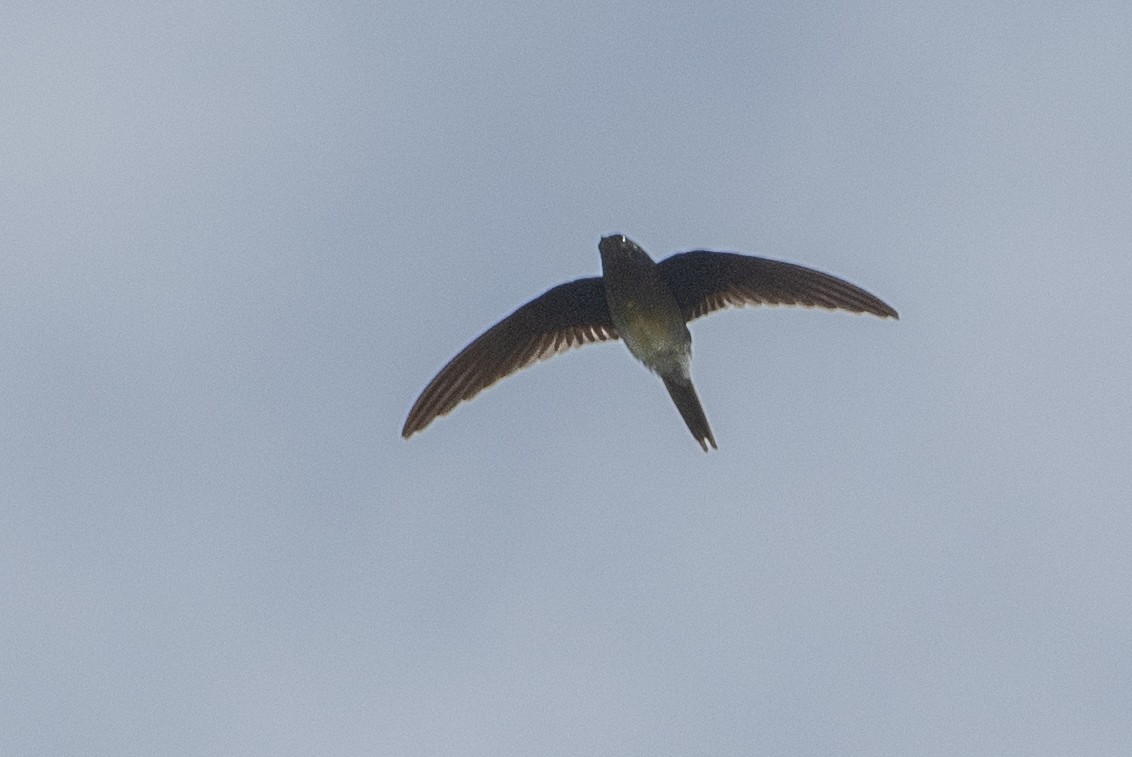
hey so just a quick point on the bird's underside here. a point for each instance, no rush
(578, 313)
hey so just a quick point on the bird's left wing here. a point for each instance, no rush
(569, 315)
(704, 281)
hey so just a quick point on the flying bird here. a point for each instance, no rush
(646, 304)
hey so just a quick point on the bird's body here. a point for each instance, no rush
(648, 305)
(643, 309)
(648, 318)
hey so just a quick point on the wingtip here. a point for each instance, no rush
(411, 427)
(881, 309)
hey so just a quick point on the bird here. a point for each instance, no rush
(646, 304)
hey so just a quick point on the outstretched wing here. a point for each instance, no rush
(703, 282)
(569, 315)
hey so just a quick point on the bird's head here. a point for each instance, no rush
(620, 247)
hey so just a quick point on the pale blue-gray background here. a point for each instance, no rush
(237, 239)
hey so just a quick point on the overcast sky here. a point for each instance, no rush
(237, 240)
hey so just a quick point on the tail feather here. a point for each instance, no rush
(684, 395)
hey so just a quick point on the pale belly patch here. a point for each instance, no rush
(662, 346)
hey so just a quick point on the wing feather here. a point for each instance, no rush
(567, 316)
(704, 282)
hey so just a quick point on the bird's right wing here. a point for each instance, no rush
(704, 281)
(569, 315)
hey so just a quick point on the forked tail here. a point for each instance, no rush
(684, 395)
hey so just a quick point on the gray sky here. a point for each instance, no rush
(239, 239)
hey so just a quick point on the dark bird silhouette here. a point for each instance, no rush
(648, 305)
